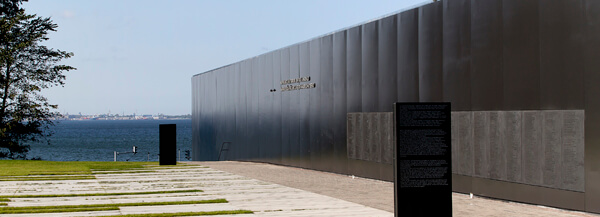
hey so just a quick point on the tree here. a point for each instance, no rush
(26, 68)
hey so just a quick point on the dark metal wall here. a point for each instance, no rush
(485, 55)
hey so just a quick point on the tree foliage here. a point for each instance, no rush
(26, 68)
(10, 7)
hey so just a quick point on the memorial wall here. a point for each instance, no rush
(522, 76)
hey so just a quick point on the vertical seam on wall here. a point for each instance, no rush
(521, 145)
(471, 122)
(560, 183)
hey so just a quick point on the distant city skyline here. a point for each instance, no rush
(119, 113)
(138, 56)
(121, 117)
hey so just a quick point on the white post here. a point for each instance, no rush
(115, 156)
(179, 154)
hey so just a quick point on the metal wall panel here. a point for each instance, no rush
(210, 134)
(521, 37)
(219, 115)
(237, 148)
(408, 56)
(285, 109)
(195, 125)
(227, 109)
(456, 54)
(264, 105)
(354, 67)
(234, 93)
(201, 115)
(339, 102)
(561, 50)
(228, 121)
(592, 104)
(315, 104)
(266, 110)
(200, 121)
(253, 111)
(326, 101)
(388, 69)
(244, 143)
(508, 56)
(370, 94)
(369, 59)
(486, 55)
(221, 126)
(430, 53)
(216, 112)
(200, 83)
(276, 66)
(304, 107)
(205, 122)
(294, 106)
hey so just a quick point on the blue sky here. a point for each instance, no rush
(139, 55)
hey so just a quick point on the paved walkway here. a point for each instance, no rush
(268, 190)
(374, 193)
(264, 198)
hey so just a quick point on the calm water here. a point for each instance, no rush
(98, 139)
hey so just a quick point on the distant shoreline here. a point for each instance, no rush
(166, 119)
(122, 117)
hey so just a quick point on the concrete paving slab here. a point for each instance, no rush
(268, 190)
(264, 198)
(177, 208)
(374, 193)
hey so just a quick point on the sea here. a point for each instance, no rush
(97, 140)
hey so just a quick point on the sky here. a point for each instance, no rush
(138, 56)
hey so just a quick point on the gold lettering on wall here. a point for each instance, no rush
(290, 84)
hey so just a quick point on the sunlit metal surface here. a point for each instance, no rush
(494, 55)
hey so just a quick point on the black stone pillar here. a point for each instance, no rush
(422, 163)
(168, 144)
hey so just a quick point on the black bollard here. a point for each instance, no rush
(168, 144)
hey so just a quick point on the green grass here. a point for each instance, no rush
(33, 167)
(44, 178)
(60, 210)
(119, 165)
(57, 173)
(3, 204)
(121, 172)
(228, 212)
(82, 208)
(5, 197)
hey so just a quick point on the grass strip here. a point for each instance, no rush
(122, 171)
(226, 212)
(35, 167)
(45, 178)
(3, 204)
(178, 166)
(5, 197)
(61, 210)
(81, 208)
(60, 173)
